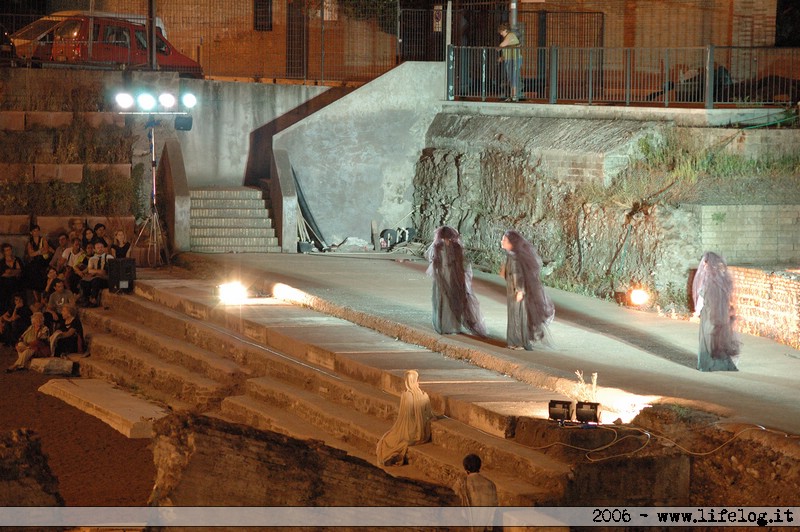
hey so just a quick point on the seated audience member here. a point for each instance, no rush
(10, 275)
(58, 254)
(40, 299)
(76, 228)
(100, 234)
(34, 343)
(95, 277)
(88, 237)
(68, 337)
(121, 248)
(15, 320)
(73, 258)
(37, 256)
(61, 296)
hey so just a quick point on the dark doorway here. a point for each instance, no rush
(296, 40)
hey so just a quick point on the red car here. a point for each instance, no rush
(118, 41)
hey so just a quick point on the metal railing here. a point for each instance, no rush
(698, 76)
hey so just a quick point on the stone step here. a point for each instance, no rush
(169, 348)
(127, 414)
(139, 366)
(230, 223)
(363, 432)
(229, 213)
(332, 413)
(228, 203)
(233, 243)
(239, 249)
(231, 232)
(225, 192)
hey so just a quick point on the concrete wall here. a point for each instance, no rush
(355, 159)
(217, 148)
(750, 234)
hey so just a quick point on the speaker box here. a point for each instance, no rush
(121, 274)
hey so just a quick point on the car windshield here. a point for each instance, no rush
(36, 29)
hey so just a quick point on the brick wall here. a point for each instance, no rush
(750, 234)
(768, 304)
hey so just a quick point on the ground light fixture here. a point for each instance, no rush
(638, 297)
(232, 293)
(587, 412)
(559, 410)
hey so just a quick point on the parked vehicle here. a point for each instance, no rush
(8, 53)
(115, 41)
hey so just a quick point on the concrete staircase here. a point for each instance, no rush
(294, 371)
(231, 220)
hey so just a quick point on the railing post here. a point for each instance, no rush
(451, 72)
(628, 87)
(553, 96)
(591, 77)
(484, 73)
(709, 88)
(665, 81)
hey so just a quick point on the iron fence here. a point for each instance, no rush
(707, 76)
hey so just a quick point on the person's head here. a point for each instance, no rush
(76, 245)
(99, 230)
(19, 300)
(7, 249)
(472, 463)
(412, 380)
(37, 319)
(89, 248)
(88, 235)
(35, 230)
(502, 29)
(99, 247)
(446, 233)
(62, 240)
(119, 237)
(58, 285)
(68, 312)
(76, 224)
(52, 273)
(512, 240)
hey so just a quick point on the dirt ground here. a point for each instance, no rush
(95, 465)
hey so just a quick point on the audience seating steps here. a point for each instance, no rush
(231, 219)
(292, 372)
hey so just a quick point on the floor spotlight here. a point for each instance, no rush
(233, 293)
(560, 410)
(586, 412)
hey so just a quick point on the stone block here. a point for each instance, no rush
(49, 119)
(100, 119)
(15, 224)
(67, 173)
(12, 120)
(52, 366)
(121, 169)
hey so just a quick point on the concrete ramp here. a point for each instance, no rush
(127, 414)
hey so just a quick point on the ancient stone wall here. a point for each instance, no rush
(207, 462)
(26, 478)
(768, 304)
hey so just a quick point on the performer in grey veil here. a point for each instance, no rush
(454, 303)
(712, 290)
(530, 310)
(412, 426)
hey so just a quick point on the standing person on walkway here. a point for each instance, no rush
(412, 426)
(511, 57)
(454, 303)
(712, 289)
(530, 310)
(477, 492)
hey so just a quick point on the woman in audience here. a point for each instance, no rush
(16, 319)
(120, 248)
(34, 343)
(88, 237)
(37, 255)
(10, 275)
(68, 338)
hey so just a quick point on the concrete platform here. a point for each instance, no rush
(127, 414)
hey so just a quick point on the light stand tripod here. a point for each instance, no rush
(156, 243)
